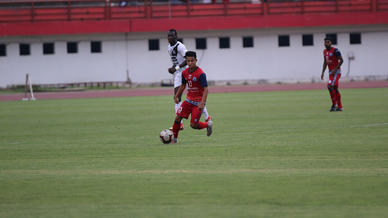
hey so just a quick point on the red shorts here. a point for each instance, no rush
(334, 78)
(186, 109)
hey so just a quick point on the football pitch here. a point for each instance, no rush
(272, 154)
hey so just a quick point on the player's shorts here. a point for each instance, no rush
(177, 78)
(186, 109)
(334, 78)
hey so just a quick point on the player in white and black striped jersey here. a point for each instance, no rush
(177, 51)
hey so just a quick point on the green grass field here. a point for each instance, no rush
(272, 154)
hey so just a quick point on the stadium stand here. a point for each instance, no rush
(28, 11)
(53, 10)
(124, 31)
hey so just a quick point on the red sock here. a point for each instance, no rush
(338, 97)
(333, 96)
(175, 129)
(202, 125)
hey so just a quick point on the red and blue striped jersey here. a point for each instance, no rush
(196, 81)
(331, 57)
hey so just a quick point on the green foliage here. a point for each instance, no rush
(273, 154)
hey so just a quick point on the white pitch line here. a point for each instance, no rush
(370, 125)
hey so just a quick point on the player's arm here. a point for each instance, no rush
(204, 98)
(182, 50)
(177, 67)
(172, 70)
(203, 81)
(323, 67)
(180, 91)
(182, 64)
(337, 53)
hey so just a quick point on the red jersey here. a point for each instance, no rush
(331, 56)
(196, 81)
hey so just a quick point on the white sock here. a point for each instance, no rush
(205, 113)
(177, 106)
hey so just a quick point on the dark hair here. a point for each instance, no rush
(328, 38)
(172, 32)
(191, 54)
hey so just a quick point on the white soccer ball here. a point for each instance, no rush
(166, 136)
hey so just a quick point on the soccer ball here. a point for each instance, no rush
(166, 136)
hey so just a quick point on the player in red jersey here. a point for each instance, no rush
(177, 51)
(197, 92)
(333, 60)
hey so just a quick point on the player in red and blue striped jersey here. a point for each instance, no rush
(177, 51)
(197, 91)
(333, 60)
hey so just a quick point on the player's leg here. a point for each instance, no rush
(195, 117)
(176, 128)
(333, 97)
(177, 106)
(338, 94)
(206, 114)
(196, 124)
(333, 94)
(177, 84)
(338, 99)
(183, 112)
(179, 97)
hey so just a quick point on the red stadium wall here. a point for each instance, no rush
(70, 18)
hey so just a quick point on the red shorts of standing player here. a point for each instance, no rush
(197, 92)
(333, 60)
(334, 78)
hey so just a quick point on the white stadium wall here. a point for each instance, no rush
(128, 54)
